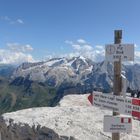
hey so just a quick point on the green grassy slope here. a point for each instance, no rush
(14, 97)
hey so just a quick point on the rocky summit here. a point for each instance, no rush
(73, 119)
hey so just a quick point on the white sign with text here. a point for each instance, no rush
(128, 106)
(122, 52)
(117, 124)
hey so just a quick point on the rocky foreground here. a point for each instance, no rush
(73, 119)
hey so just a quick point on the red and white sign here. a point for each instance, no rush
(127, 106)
(126, 120)
(117, 124)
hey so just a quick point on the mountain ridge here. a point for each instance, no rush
(45, 83)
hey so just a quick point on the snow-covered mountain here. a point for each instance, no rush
(73, 119)
(57, 69)
(74, 72)
(45, 83)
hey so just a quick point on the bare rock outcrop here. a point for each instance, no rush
(73, 119)
(25, 132)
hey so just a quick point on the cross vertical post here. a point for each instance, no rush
(117, 77)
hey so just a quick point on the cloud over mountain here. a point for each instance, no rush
(97, 53)
(19, 48)
(82, 47)
(15, 53)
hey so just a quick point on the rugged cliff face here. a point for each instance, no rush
(73, 119)
(22, 131)
(25, 132)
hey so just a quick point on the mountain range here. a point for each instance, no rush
(45, 83)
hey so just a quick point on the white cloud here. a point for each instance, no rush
(20, 21)
(136, 54)
(81, 41)
(87, 47)
(68, 42)
(8, 57)
(16, 54)
(6, 18)
(76, 47)
(137, 57)
(96, 53)
(19, 48)
(99, 47)
(82, 48)
(78, 41)
(11, 20)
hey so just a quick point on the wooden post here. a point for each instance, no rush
(117, 77)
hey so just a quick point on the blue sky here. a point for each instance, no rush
(42, 28)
